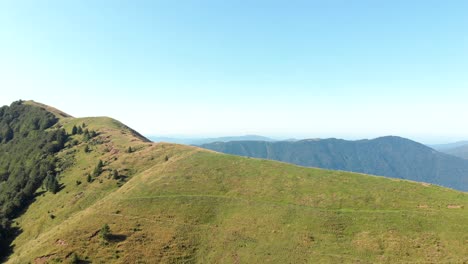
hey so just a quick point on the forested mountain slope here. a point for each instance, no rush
(386, 156)
(27, 148)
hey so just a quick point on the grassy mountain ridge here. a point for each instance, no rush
(386, 156)
(180, 204)
(50, 109)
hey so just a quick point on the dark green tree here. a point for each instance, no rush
(86, 135)
(92, 133)
(6, 134)
(74, 259)
(98, 169)
(51, 183)
(61, 137)
(115, 174)
(105, 232)
(74, 130)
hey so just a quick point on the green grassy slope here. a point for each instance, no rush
(55, 111)
(180, 204)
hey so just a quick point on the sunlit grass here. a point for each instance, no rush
(180, 204)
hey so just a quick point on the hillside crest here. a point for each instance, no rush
(162, 203)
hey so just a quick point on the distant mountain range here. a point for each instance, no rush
(200, 141)
(386, 156)
(458, 149)
(461, 152)
(442, 147)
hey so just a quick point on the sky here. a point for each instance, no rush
(304, 69)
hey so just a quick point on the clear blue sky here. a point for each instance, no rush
(349, 69)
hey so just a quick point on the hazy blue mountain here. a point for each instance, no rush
(200, 141)
(386, 156)
(185, 141)
(461, 152)
(458, 149)
(441, 147)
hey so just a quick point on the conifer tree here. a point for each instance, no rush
(86, 135)
(115, 174)
(51, 183)
(105, 232)
(98, 169)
